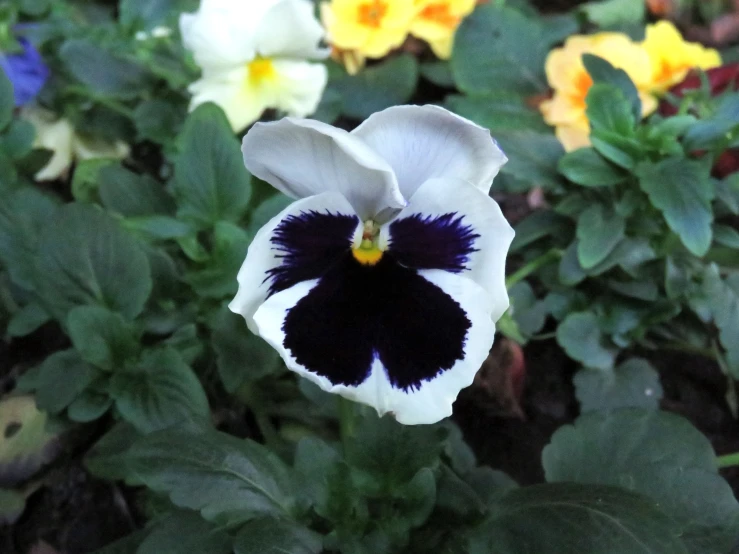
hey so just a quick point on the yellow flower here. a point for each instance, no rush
(436, 21)
(370, 27)
(571, 82)
(672, 57)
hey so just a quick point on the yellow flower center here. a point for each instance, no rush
(371, 13)
(368, 252)
(260, 70)
(439, 13)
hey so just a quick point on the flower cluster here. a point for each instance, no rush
(383, 281)
(371, 28)
(255, 55)
(663, 59)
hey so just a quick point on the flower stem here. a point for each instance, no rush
(689, 348)
(728, 460)
(346, 421)
(553, 255)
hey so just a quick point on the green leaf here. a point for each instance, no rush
(388, 83)
(528, 312)
(609, 110)
(726, 236)
(601, 71)
(183, 531)
(439, 72)
(659, 455)
(712, 132)
(228, 480)
(107, 459)
(89, 406)
(86, 178)
(581, 337)
(147, 14)
(537, 225)
(533, 157)
(599, 230)
(86, 258)
(588, 168)
(723, 299)
(498, 111)
(570, 272)
(488, 53)
(217, 279)
(211, 183)
(315, 467)
(18, 139)
(241, 356)
(160, 391)
(27, 320)
(58, 380)
(103, 338)
(129, 194)
(104, 72)
(681, 189)
(159, 120)
(390, 453)
(12, 503)
(275, 536)
(611, 13)
(7, 100)
(633, 384)
(571, 517)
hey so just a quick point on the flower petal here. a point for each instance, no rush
(423, 142)
(259, 275)
(434, 316)
(290, 29)
(451, 225)
(300, 86)
(302, 157)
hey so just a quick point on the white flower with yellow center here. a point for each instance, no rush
(383, 281)
(253, 56)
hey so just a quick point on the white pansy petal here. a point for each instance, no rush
(299, 86)
(424, 142)
(216, 36)
(428, 400)
(452, 225)
(302, 157)
(52, 134)
(289, 29)
(267, 251)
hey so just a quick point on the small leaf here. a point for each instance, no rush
(275, 536)
(612, 13)
(27, 320)
(603, 72)
(103, 338)
(58, 380)
(599, 230)
(580, 335)
(229, 480)
(160, 391)
(7, 100)
(633, 384)
(588, 168)
(726, 236)
(127, 193)
(532, 157)
(537, 225)
(498, 111)
(107, 459)
(85, 258)
(211, 183)
(609, 110)
(681, 189)
(723, 300)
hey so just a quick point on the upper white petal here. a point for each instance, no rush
(432, 401)
(299, 86)
(261, 256)
(302, 157)
(423, 142)
(289, 29)
(482, 213)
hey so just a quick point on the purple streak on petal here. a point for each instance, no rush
(433, 241)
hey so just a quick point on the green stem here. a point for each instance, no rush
(728, 460)
(689, 348)
(346, 421)
(533, 265)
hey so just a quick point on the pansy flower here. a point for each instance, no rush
(383, 281)
(254, 55)
(26, 70)
(436, 22)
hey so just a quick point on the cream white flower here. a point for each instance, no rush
(59, 136)
(383, 281)
(253, 56)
